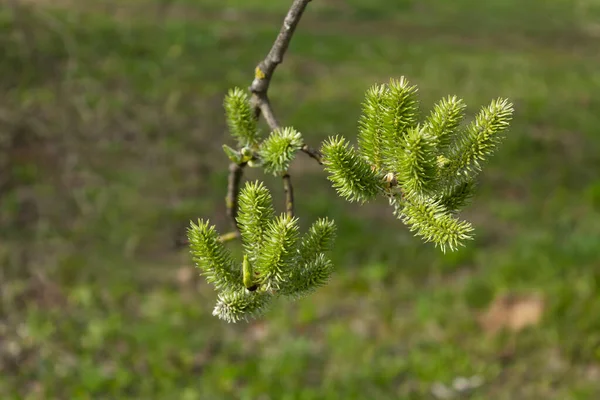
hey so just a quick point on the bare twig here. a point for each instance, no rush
(266, 68)
(229, 236)
(289, 195)
(313, 153)
(233, 189)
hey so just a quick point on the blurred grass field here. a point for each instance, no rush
(111, 126)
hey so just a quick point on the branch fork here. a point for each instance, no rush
(261, 105)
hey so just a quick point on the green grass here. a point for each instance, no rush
(114, 123)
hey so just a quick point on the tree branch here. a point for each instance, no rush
(229, 236)
(236, 171)
(265, 69)
(313, 153)
(260, 101)
(289, 195)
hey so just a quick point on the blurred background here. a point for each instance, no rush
(111, 126)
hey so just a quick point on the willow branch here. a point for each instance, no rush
(236, 171)
(229, 236)
(288, 189)
(262, 80)
(260, 101)
(313, 153)
(266, 68)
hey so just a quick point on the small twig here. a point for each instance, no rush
(262, 105)
(233, 189)
(288, 189)
(313, 153)
(266, 68)
(229, 236)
